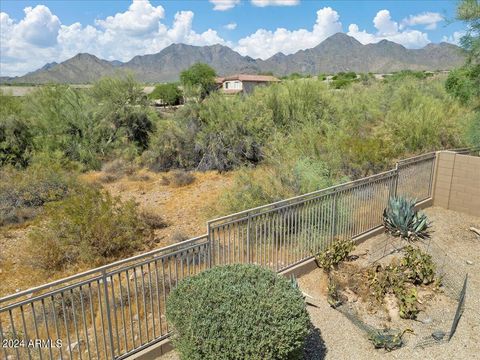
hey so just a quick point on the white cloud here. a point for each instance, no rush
(429, 19)
(384, 23)
(264, 43)
(39, 27)
(454, 38)
(141, 18)
(264, 3)
(40, 37)
(231, 26)
(223, 5)
(388, 29)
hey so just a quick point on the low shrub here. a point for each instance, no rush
(418, 266)
(153, 220)
(238, 312)
(23, 192)
(334, 254)
(116, 169)
(402, 219)
(89, 227)
(181, 178)
(179, 236)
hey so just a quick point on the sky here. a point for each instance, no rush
(33, 33)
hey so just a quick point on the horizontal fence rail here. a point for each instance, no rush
(106, 313)
(116, 310)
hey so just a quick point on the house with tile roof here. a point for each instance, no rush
(243, 83)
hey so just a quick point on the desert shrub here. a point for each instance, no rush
(68, 304)
(401, 278)
(422, 117)
(238, 312)
(334, 254)
(402, 219)
(231, 132)
(89, 227)
(418, 266)
(153, 220)
(472, 131)
(16, 141)
(181, 178)
(172, 146)
(116, 169)
(24, 192)
(464, 83)
(179, 236)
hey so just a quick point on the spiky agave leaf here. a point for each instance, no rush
(402, 219)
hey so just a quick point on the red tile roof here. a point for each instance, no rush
(247, 77)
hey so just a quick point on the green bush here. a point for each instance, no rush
(16, 142)
(89, 227)
(238, 312)
(418, 266)
(334, 254)
(168, 93)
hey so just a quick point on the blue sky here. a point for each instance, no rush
(36, 32)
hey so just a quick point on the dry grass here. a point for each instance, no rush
(171, 209)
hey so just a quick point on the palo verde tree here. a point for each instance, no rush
(168, 93)
(200, 77)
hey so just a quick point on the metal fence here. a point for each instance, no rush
(116, 310)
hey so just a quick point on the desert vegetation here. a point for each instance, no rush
(297, 136)
(229, 310)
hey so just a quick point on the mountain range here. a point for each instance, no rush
(339, 52)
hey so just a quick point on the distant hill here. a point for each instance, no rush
(339, 52)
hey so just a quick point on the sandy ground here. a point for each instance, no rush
(185, 211)
(336, 337)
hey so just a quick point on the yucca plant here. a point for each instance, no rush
(402, 219)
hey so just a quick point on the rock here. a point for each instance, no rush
(135, 318)
(438, 335)
(469, 262)
(426, 321)
(350, 295)
(392, 307)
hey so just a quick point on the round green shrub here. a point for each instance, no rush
(238, 312)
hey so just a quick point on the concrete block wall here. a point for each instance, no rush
(457, 183)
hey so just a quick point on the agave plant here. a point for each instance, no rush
(402, 219)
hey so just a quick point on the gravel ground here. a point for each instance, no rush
(336, 337)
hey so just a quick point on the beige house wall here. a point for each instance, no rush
(457, 183)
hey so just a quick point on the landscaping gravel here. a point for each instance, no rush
(336, 337)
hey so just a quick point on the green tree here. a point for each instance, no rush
(200, 76)
(169, 93)
(122, 105)
(468, 11)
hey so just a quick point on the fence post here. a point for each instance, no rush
(334, 206)
(109, 315)
(394, 185)
(210, 246)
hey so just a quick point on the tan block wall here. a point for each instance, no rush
(457, 183)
